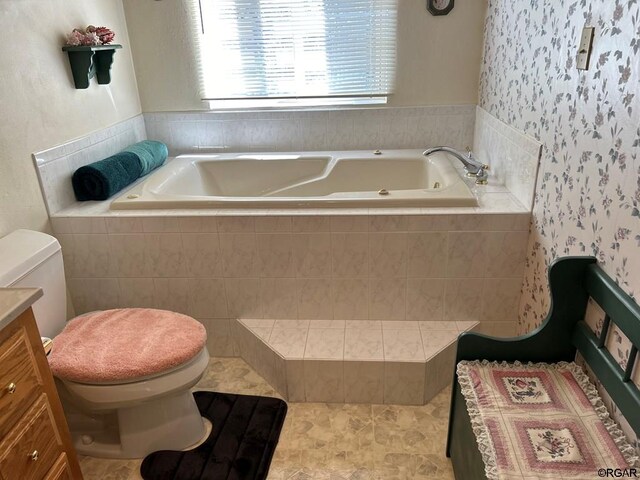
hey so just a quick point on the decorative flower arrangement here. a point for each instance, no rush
(90, 36)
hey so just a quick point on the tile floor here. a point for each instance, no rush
(329, 441)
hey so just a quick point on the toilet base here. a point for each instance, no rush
(167, 423)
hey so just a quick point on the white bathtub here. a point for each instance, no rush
(306, 179)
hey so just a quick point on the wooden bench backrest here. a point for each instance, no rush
(621, 310)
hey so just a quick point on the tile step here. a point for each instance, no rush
(335, 361)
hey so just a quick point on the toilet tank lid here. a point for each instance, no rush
(22, 251)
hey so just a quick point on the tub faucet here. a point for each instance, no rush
(471, 164)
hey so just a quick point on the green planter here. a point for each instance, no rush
(87, 62)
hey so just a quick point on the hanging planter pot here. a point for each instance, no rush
(89, 61)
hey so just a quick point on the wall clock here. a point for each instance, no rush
(440, 7)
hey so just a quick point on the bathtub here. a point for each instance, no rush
(390, 178)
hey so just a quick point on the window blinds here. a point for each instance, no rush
(302, 49)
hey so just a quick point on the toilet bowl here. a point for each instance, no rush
(114, 410)
(131, 420)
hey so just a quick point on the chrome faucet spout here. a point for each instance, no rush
(473, 167)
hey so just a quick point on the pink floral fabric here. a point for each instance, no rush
(540, 421)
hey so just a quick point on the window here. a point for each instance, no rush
(295, 52)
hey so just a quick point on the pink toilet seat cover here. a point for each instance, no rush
(124, 344)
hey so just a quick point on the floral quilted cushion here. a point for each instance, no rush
(540, 421)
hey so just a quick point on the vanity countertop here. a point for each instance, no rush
(14, 301)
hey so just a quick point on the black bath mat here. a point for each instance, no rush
(240, 447)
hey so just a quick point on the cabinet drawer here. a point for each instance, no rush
(61, 470)
(32, 446)
(20, 381)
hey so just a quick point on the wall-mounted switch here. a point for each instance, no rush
(584, 49)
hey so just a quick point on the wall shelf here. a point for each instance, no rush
(89, 61)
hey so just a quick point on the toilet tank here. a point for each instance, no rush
(34, 259)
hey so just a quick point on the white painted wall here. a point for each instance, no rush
(40, 107)
(438, 57)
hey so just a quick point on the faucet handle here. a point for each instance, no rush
(473, 157)
(482, 177)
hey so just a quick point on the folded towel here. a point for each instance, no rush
(100, 180)
(151, 153)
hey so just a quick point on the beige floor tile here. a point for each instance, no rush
(329, 441)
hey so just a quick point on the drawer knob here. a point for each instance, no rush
(34, 455)
(11, 388)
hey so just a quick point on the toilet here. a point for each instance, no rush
(124, 376)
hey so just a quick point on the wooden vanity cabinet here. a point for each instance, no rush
(35, 442)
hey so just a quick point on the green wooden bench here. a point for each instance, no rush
(564, 332)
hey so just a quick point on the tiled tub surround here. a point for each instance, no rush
(393, 265)
(353, 361)
(349, 129)
(55, 166)
(513, 156)
(408, 267)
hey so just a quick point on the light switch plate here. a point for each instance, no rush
(584, 49)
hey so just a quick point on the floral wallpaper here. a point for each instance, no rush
(587, 199)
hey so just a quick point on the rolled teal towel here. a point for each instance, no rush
(100, 180)
(151, 153)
